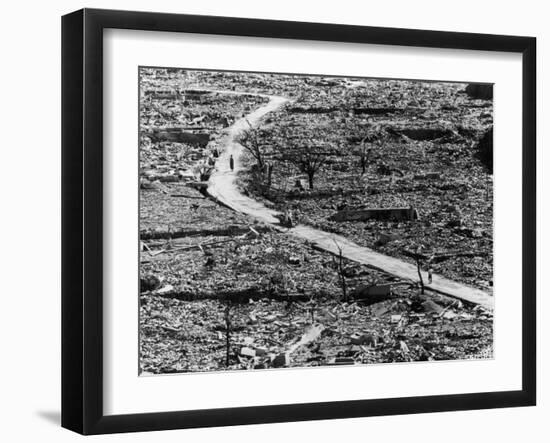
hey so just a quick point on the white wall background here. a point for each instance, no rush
(30, 219)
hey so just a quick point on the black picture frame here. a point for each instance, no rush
(82, 219)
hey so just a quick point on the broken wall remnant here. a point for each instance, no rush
(397, 214)
(177, 135)
(303, 109)
(477, 91)
(426, 134)
(301, 184)
(377, 110)
(196, 92)
(384, 238)
(372, 294)
(428, 176)
(163, 94)
(176, 94)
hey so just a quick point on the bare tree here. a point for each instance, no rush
(309, 160)
(419, 258)
(250, 140)
(363, 152)
(269, 167)
(341, 272)
(373, 134)
(419, 270)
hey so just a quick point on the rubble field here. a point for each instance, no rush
(206, 281)
(420, 153)
(219, 291)
(184, 336)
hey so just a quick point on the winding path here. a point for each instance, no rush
(222, 182)
(222, 186)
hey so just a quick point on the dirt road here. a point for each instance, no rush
(222, 187)
(222, 182)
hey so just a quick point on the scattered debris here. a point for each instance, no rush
(310, 335)
(293, 260)
(248, 352)
(430, 306)
(371, 294)
(149, 282)
(385, 238)
(363, 339)
(341, 361)
(396, 318)
(428, 176)
(240, 296)
(376, 214)
(280, 360)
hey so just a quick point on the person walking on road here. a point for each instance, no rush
(430, 269)
(231, 162)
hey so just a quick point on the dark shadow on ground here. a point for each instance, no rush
(54, 417)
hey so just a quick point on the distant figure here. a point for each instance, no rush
(290, 219)
(287, 219)
(430, 269)
(231, 162)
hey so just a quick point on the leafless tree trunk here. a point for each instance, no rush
(419, 270)
(364, 154)
(310, 175)
(269, 174)
(309, 160)
(341, 272)
(250, 141)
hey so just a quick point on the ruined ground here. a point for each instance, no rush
(422, 154)
(219, 291)
(277, 289)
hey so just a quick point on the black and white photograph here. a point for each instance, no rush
(234, 222)
(291, 221)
